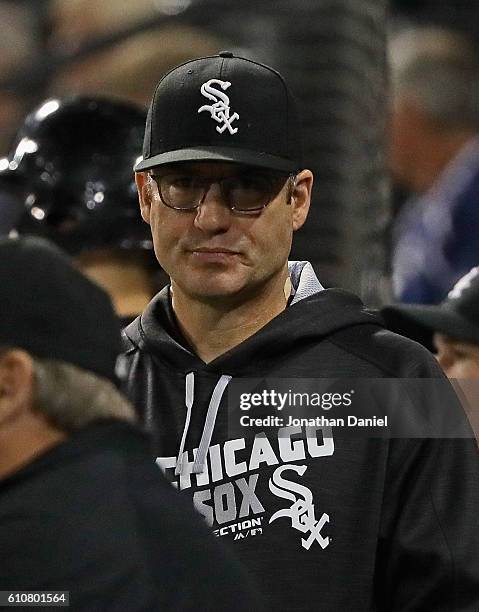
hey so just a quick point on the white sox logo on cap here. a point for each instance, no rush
(220, 110)
(191, 116)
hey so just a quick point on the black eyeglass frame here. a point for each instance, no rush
(208, 181)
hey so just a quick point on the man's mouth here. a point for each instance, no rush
(214, 254)
(215, 250)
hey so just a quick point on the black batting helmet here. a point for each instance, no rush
(72, 167)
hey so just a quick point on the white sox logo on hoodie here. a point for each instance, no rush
(301, 512)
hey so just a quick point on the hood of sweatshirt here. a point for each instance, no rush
(313, 314)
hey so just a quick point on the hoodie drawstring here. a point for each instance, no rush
(200, 461)
(189, 397)
(215, 401)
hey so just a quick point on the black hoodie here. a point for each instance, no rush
(323, 521)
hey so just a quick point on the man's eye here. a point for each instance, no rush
(252, 182)
(182, 182)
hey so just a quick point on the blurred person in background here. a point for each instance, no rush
(129, 68)
(451, 330)
(42, 44)
(434, 154)
(83, 507)
(70, 169)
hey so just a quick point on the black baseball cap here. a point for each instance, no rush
(457, 316)
(223, 108)
(51, 310)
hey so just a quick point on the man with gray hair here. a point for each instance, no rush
(434, 154)
(86, 519)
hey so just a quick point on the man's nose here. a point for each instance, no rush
(213, 214)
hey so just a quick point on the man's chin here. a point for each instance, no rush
(216, 288)
(217, 293)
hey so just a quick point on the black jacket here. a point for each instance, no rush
(324, 521)
(93, 516)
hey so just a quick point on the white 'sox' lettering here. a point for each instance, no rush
(220, 110)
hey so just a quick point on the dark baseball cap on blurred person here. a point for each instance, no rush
(51, 310)
(457, 316)
(223, 108)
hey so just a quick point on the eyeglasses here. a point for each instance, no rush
(246, 192)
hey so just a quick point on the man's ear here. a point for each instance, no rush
(301, 197)
(16, 382)
(145, 193)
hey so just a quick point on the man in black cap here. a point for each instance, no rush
(328, 522)
(451, 329)
(86, 519)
